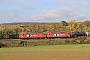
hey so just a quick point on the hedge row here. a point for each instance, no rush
(20, 43)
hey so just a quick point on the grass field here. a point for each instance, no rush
(54, 52)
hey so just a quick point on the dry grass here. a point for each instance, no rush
(58, 52)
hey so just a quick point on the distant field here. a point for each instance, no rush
(53, 52)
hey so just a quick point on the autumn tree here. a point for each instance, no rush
(72, 25)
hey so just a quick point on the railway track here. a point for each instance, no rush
(37, 39)
(81, 37)
(10, 40)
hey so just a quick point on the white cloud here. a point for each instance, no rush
(59, 14)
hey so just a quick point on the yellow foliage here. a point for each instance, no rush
(78, 41)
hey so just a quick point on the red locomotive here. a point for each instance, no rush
(35, 35)
(58, 35)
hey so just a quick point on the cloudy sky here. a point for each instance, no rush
(44, 10)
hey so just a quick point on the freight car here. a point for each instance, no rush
(54, 35)
(76, 34)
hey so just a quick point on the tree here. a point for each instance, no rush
(64, 23)
(72, 25)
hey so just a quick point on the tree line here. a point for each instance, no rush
(13, 31)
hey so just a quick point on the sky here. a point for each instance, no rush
(44, 10)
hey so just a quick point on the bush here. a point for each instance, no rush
(87, 40)
(2, 45)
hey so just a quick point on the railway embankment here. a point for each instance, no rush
(5, 43)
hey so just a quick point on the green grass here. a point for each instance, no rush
(53, 52)
(72, 47)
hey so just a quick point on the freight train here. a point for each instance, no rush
(53, 35)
